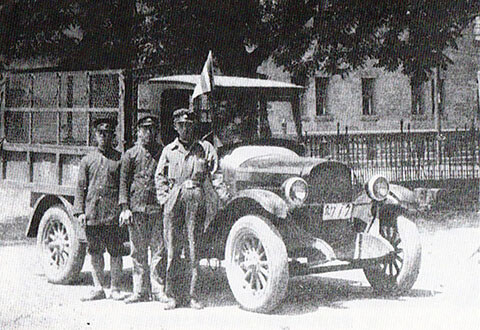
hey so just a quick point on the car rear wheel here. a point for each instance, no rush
(256, 264)
(399, 271)
(61, 253)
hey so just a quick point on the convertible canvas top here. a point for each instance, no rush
(189, 81)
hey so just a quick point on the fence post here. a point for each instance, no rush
(347, 145)
(338, 141)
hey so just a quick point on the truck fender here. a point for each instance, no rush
(271, 202)
(42, 205)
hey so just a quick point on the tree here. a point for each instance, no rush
(125, 33)
(335, 36)
(339, 36)
(27, 29)
(235, 30)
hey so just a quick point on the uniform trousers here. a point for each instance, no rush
(110, 237)
(146, 230)
(181, 233)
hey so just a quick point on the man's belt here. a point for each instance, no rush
(189, 184)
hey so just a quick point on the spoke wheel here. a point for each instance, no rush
(256, 264)
(397, 272)
(56, 244)
(394, 262)
(251, 260)
(61, 253)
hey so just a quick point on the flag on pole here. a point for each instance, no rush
(205, 84)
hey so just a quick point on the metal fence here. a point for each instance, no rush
(404, 157)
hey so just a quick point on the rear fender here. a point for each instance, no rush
(42, 205)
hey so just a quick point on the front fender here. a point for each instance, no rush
(270, 201)
(402, 197)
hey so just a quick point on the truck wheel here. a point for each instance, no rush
(61, 253)
(398, 272)
(256, 264)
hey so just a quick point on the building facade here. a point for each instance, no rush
(372, 99)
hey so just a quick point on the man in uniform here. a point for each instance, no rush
(183, 181)
(142, 213)
(96, 206)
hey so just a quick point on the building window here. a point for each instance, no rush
(418, 102)
(367, 96)
(321, 89)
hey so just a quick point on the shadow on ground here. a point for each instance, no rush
(12, 231)
(431, 222)
(85, 279)
(305, 294)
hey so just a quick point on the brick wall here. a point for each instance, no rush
(392, 98)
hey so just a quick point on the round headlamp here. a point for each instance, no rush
(377, 188)
(296, 190)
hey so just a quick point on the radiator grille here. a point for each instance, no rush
(330, 183)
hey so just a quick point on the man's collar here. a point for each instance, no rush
(177, 144)
(150, 147)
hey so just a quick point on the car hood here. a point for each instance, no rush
(272, 160)
(280, 164)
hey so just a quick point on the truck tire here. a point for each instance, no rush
(60, 251)
(256, 264)
(398, 272)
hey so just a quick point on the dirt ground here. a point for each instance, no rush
(445, 296)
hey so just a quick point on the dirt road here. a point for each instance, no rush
(446, 295)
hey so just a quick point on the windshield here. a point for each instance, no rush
(244, 118)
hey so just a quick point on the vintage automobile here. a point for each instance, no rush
(286, 215)
(280, 215)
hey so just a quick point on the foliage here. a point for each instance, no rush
(340, 35)
(336, 36)
(186, 30)
(26, 31)
(125, 33)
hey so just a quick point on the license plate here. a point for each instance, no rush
(337, 211)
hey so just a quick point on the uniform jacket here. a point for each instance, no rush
(137, 178)
(192, 167)
(96, 193)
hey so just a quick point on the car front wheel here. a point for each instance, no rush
(256, 264)
(399, 271)
(61, 253)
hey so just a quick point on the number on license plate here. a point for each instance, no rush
(337, 211)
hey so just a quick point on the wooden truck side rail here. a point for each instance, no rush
(46, 122)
